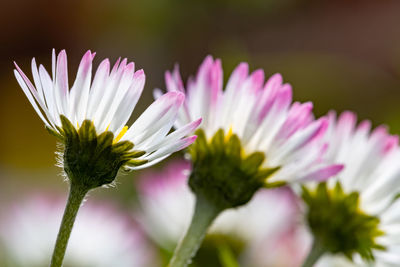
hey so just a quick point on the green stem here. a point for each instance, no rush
(76, 195)
(316, 252)
(204, 215)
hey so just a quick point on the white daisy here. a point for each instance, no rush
(372, 172)
(106, 103)
(260, 114)
(103, 237)
(269, 239)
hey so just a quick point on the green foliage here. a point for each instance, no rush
(338, 224)
(93, 160)
(222, 173)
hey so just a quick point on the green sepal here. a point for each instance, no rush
(234, 149)
(70, 133)
(199, 148)
(222, 172)
(122, 147)
(87, 132)
(136, 162)
(54, 133)
(251, 164)
(265, 173)
(93, 160)
(104, 141)
(217, 143)
(275, 184)
(134, 154)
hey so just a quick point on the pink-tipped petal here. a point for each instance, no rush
(33, 95)
(62, 73)
(319, 131)
(299, 117)
(257, 78)
(237, 77)
(80, 90)
(275, 81)
(364, 126)
(30, 97)
(98, 87)
(116, 65)
(157, 114)
(346, 123)
(324, 173)
(392, 143)
(172, 147)
(216, 77)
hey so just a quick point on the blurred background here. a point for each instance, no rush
(342, 54)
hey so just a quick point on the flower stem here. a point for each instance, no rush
(204, 215)
(76, 195)
(316, 252)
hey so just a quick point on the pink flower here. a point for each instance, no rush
(261, 114)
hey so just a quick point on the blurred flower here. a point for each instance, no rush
(103, 237)
(357, 214)
(266, 226)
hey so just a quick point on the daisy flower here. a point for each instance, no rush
(167, 205)
(355, 216)
(251, 136)
(90, 121)
(260, 114)
(103, 236)
(101, 107)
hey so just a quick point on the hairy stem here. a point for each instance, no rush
(204, 215)
(76, 195)
(316, 252)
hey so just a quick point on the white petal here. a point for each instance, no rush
(79, 93)
(30, 98)
(98, 87)
(156, 114)
(129, 102)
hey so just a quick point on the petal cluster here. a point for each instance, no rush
(107, 101)
(371, 159)
(261, 114)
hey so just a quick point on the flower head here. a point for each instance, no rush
(102, 237)
(90, 117)
(251, 135)
(251, 231)
(356, 214)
